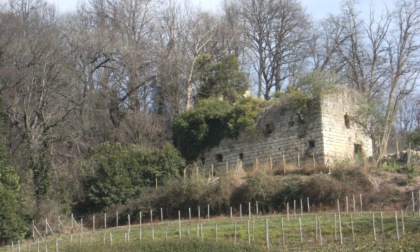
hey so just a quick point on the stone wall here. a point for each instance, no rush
(342, 138)
(283, 132)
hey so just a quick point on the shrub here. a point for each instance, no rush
(291, 190)
(322, 188)
(116, 173)
(13, 219)
(202, 127)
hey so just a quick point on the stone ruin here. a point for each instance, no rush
(321, 132)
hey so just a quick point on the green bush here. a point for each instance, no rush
(212, 120)
(116, 173)
(202, 127)
(13, 219)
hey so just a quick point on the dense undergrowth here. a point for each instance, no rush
(272, 189)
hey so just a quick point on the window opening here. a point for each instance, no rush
(311, 144)
(358, 149)
(219, 158)
(347, 121)
(269, 128)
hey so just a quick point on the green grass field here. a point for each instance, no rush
(298, 232)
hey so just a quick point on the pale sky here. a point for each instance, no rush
(317, 8)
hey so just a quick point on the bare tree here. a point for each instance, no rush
(380, 59)
(276, 32)
(39, 93)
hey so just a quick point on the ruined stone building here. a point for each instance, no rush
(321, 130)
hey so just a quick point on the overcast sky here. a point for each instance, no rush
(317, 8)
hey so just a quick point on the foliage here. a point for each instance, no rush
(370, 117)
(221, 79)
(116, 173)
(202, 127)
(212, 120)
(413, 139)
(317, 83)
(13, 219)
(262, 187)
(244, 115)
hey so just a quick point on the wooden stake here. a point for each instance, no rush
(402, 221)
(267, 235)
(287, 211)
(352, 227)
(301, 207)
(116, 213)
(298, 159)
(341, 228)
(249, 210)
(301, 233)
(256, 208)
(179, 224)
(396, 225)
(313, 158)
(382, 226)
(374, 228)
(307, 200)
(199, 213)
(347, 205)
(320, 231)
(249, 234)
(282, 233)
(235, 234)
(217, 234)
(240, 211)
(361, 204)
(284, 165)
(201, 230)
(141, 216)
(414, 205)
(208, 211)
(335, 227)
(271, 164)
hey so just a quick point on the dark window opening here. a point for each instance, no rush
(241, 156)
(347, 121)
(311, 144)
(203, 160)
(219, 158)
(269, 128)
(358, 149)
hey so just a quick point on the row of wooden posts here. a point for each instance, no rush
(338, 231)
(75, 225)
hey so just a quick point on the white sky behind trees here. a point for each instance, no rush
(318, 9)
